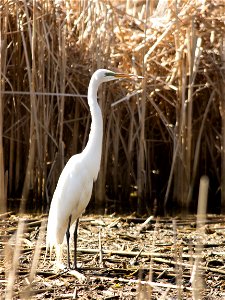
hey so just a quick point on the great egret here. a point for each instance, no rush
(74, 187)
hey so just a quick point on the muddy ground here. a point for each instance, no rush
(119, 257)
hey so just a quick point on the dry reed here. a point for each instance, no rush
(161, 134)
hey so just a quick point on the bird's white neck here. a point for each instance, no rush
(93, 149)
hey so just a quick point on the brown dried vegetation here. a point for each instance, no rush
(120, 258)
(160, 135)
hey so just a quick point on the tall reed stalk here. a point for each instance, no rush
(3, 70)
(222, 112)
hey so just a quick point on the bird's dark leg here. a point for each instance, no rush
(68, 242)
(75, 244)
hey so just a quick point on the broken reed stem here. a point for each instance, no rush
(202, 202)
(197, 279)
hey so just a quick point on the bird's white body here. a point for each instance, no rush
(67, 200)
(74, 188)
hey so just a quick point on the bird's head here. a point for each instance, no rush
(104, 75)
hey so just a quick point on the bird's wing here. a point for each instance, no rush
(71, 197)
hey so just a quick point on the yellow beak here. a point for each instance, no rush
(124, 75)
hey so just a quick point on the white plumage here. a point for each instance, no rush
(74, 188)
(74, 203)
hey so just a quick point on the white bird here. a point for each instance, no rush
(74, 187)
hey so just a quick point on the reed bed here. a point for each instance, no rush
(160, 135)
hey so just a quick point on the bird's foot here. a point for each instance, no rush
(73, 267)
(72, 271)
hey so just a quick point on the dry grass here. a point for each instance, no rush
(160, 136)
(121, 257)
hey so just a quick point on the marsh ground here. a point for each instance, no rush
(120, 258)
